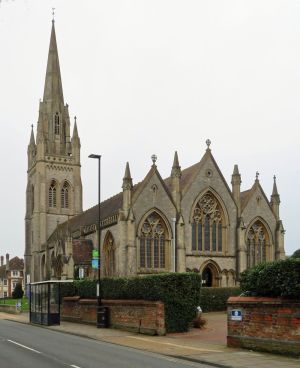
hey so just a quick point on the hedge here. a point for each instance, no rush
(274, 279)
(215, 298)
(180, 293)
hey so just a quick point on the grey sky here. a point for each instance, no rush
(156, 76)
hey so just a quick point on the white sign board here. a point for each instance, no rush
(81, 273)
(236, 315)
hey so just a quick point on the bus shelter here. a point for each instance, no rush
(45, 302)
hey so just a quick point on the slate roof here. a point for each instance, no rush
(112, 205)
(16, 264)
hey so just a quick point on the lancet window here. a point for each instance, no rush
(52, 194)
(56, 124)
(257, 242)
(154, 239)
(65, 195)
(208, 225)
(109, 255)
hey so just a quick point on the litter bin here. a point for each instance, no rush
(102, 317)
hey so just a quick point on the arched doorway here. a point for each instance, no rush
(210, 275)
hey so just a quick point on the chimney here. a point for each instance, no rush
(2, 260)
(7, 262)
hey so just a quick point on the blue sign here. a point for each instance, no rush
(95, 263)
(236, 315)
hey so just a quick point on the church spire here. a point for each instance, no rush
(32, 140)
(53, 91)
(275, 199)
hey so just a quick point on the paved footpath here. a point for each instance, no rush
(206, 345)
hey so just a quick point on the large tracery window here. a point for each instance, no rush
(257, 241)
(207, 225)
(52, 194)
(153, 242)
(65, 195)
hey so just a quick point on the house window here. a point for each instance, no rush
(15, 273)
(5, 294)
(5, 282)
(257, 244)
(52, 194)
(208, 225)
(65, 195)
(56, 124)
(154, 238)
(14, 284)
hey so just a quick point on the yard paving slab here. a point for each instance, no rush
(207, 345)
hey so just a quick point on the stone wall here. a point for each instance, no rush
(6, 308)
(146, 317)
(268, 324)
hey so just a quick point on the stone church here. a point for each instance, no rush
(190, 221)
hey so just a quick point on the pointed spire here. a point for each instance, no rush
(176, 169)
(275, 191)
(53, 86)
(127, 180)
(32, 140)
(75, 130)
(236, 170)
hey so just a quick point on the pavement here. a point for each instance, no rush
(206, 345)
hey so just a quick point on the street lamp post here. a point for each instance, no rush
(101, 311)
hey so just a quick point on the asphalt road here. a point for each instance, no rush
(26, 346)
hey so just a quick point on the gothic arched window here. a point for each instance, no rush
(257, 242)
(154, 238)
(109, 255)
(65, 195)
(207, 225)
(56, 124)
(52, 194)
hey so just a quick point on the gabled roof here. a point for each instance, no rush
(247, 195)
(16, 264)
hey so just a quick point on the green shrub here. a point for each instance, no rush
(215, 298)
(18, 291)
(180, 293)
(274, 279)
(296, 254)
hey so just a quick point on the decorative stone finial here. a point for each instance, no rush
(154, 159)
(274, 177)
(53, 14)
(208, 143)
(256, 175)
(75, 119)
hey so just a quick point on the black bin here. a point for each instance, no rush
(102, 317)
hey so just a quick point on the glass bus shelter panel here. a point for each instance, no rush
(44, 303)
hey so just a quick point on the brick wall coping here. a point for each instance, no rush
(261, 300)
(112, 302)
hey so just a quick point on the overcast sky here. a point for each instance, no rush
(156, 76)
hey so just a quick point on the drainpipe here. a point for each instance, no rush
(174, 243)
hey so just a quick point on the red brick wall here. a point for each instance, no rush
(141, 316)
(268, 324)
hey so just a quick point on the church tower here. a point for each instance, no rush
(54, 189)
